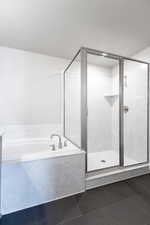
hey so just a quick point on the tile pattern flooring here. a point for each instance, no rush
(122, 203)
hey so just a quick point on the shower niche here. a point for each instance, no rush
(106, 108)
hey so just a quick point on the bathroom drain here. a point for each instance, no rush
(103, 160)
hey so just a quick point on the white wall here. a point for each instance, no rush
(30, 93)
(99, 108)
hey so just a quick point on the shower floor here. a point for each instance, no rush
(106, 159)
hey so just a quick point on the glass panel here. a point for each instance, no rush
(135, 112)
(103, 112)
(72, 102)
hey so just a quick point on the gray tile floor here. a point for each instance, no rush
(122, 203)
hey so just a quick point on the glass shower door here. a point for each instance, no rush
(103, 112)
(135, 112)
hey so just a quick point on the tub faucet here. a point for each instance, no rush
(52, 147)
(59, 140)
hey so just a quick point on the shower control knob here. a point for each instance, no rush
(53, 148)
(65, 143)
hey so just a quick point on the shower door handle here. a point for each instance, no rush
(125, 108)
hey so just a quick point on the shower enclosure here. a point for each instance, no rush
(106, 108)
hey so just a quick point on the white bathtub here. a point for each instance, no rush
(32, 150)
(33, 174)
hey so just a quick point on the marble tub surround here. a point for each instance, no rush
(33, 174)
